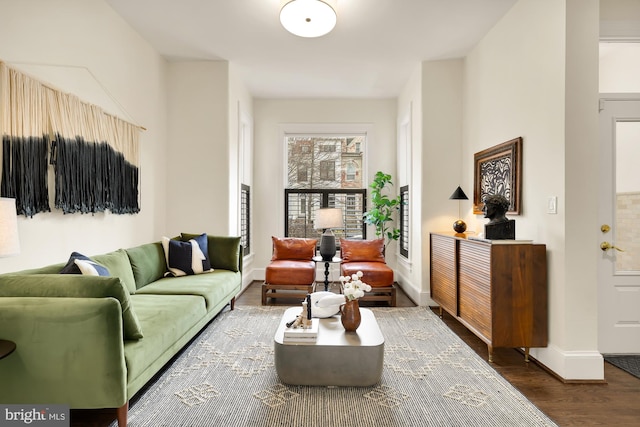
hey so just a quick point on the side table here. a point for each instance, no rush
(6, 348)
(318, 259)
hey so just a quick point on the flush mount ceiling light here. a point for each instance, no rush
(308, 18)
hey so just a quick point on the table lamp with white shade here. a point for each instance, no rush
(326, 219)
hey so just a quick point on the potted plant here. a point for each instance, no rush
(382, 208)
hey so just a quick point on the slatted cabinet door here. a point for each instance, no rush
(474, 292)
(444, 282)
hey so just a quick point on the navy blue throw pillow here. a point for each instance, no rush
(186, 258)
(82, 264)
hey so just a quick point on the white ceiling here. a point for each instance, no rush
(370, 54)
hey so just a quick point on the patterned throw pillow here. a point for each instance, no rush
(186, 258)
(82, 264)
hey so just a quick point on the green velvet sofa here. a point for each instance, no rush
(94, 342)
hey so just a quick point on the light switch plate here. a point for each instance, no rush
(552, 205)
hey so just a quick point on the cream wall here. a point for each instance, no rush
(409, 272)
(83, 47)
(540, 82)
(206, 99)
(199, 155)
(240, 158)
(271, 116)
(442, 158)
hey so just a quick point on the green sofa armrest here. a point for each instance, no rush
(68, 351)
(74, 286)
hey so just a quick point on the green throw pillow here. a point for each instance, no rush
(147, 262)
(224, 251)
(117, 262)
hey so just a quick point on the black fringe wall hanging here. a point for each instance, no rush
(94, 154)
(24, 143)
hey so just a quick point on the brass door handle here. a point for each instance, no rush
(605, 246)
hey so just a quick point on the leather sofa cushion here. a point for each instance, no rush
(290, 272)
(362, 250)
(375, 274)
(293, 248)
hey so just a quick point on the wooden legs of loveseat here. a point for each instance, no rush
(121, 414)
(386, 294)
(299, 292)
(233, 303)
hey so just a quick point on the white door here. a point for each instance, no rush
(619, 213)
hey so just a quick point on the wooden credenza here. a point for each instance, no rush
(497, 289)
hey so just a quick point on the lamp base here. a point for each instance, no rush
(459, 226)
(327, 245)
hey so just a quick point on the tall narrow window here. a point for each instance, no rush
(351, 171)
(303, 173)
(245, 219)
(327, 170)
(404, 221)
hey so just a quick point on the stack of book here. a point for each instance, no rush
(301, 335)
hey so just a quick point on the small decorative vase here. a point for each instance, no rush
(350, 315)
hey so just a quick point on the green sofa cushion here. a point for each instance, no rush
(212, 286)
(117, 262)
(147, 262)
(165, 318)
(74, 286)
(224, 251)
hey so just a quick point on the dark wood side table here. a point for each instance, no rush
(6, 348)
(318, 259)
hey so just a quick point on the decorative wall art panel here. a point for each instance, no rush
(498, 170)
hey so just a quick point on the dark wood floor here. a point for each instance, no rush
(614, 403)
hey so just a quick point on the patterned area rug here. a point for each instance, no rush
(626, 362)
(430, 378)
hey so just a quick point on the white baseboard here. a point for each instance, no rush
(415, 293)
(571, 365)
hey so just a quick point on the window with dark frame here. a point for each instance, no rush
(325, 171)
(404, 221)
(301, 205)
(245, 219)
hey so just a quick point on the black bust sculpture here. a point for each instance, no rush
(498, 227)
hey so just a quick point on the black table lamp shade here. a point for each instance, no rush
(459, 226)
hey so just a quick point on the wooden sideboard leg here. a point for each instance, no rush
(526, 354)
(121, 414)
(490, 348)
(440, 309)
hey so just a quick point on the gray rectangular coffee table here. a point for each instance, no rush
(337, 358)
